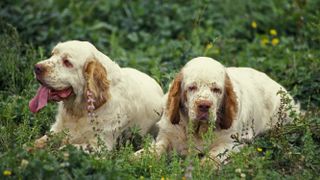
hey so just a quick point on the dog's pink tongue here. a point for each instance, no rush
(40, 100)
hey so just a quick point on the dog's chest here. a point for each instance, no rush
(79, 130)
(189, 144)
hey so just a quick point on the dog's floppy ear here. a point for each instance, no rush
(174, 99)
(229, 106)
(96, 82)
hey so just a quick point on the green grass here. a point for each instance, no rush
(159, 37)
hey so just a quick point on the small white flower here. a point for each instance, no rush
(24, 163)
(242, 175)
(65, 164)
(238, 170)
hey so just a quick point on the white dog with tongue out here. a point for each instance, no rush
(96, 97)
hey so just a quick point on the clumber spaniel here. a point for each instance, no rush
(239, 102)
(96, 97)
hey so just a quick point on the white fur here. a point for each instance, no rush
(135, 98)
(256, 97)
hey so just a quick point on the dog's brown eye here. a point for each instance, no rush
(192, 88)
(216, 90)
(67, 63)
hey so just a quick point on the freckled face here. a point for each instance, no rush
(64, 68)
(54, 71)
(203, 86)
(61, 76)
(202, 99)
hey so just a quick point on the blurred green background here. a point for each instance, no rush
(278, 37)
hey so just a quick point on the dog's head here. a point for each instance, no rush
(73, 69)
(202, 91)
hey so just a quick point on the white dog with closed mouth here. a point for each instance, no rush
(234, 99)
(96, 97)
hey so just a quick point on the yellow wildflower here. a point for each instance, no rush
(273, 32)
(7, 173)
(264, 41)
(209, 46)
(259, 149)
(275, 41)
(254, 25)
(162, 178)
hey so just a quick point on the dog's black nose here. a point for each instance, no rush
(38, 69)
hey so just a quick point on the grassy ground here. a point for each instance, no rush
(281, 38)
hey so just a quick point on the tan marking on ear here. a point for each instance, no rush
(96, 77)
(174, 98)
(229, 105)
(185, 97)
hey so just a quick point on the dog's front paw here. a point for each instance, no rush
(212, 162)
(139, 153)
(41, 142)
